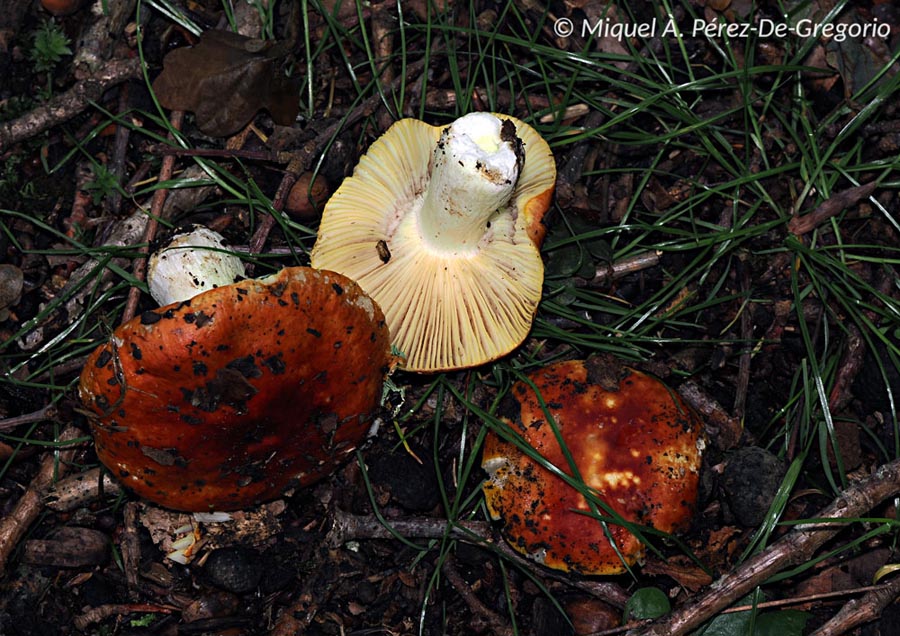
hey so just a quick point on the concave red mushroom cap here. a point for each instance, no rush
(633, 441)
(241, 393)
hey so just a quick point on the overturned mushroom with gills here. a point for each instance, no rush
(241, 393)
(634, 442)
(442, 226)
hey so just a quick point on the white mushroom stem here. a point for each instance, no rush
(475, 168)
(193, 262)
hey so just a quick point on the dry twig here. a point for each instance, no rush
(69, 104)
(46, 413)
(157, 208)
(495, 622)
(346, 526)
(796, 547)
(862, 610)
(131, 547)
(14, 526)
(291, 173)
(854, 353)
(722, 428)
(609, 272)
(116, 166)
(102, 612)
(832, 206)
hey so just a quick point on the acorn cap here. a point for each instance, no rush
(634, 442)
(241, 393)
(442, 227)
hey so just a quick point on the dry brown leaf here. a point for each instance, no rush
(682, 569)
(225, 79)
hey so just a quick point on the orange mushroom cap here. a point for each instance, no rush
(241, 393)
(62, 7)
(633, 441)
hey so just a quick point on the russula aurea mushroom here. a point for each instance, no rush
(61, 7)
(241, 393)
(442, 226)
(191, 263)
(633, 441)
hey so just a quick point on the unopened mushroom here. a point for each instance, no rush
(442, 227)
(635, 444)
(241, 393)
(191, 263)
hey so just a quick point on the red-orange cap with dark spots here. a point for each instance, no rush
(241, 393)
(634, 441)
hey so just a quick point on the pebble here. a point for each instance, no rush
(12, 281)
(750, 479)
(234, 569)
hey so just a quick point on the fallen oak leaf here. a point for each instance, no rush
(225, 79)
